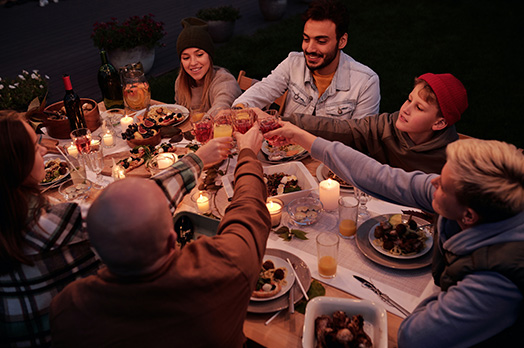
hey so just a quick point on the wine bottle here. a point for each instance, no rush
(109, 82)
(73, 106)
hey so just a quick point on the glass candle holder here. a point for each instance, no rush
(108, 134)
(202, 200)
(275, 206)
(161, 161)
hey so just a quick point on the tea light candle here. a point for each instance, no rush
(72, 150)
(117, 172)
(165, 160)
(329, 191)
(202, 203)
(274, 206)
(108, 139)
(95, 142)
(125, 122)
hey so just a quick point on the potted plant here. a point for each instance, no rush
(131, 41)
(27, 88)
(220, 21)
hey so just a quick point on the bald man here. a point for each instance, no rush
(153, 294)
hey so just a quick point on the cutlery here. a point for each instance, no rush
(273, 317)
(383, 296)
(292, 298)
(298, 280)
(59, 182)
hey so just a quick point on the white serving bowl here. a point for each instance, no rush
(305, 180)
(375, 318)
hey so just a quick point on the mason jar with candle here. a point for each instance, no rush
(161, 161)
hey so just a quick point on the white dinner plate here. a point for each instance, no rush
(289, 152)
(172, 107)
(323, 173)
(57, 179)
(428, 244)
(290, 277)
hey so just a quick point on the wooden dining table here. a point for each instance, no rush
(285, 330)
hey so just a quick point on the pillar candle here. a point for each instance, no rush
(329, 191)
(202, 204)
(125, 122)
(108, 140)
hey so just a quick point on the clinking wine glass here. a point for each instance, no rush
(243, 119)
(203, 129)
(95, 161)
(268, 122)
(223, 126)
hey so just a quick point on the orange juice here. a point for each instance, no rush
(347, 228)
(222, 130)
(327, 266)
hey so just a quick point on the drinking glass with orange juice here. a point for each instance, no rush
(223, 126)
(327, 252)
(348, 215)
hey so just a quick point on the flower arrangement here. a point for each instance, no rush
(17, 94)
(220, 13)
(135, 31)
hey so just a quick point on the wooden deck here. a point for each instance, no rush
(55, 39)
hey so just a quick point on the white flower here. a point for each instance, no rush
(47, 77)
(25, 72)
(1, 86)
(35, 71)
(35, 76)
(21, 77)
(41, 87)
(0, 79)
(17, 84)
(12, 87)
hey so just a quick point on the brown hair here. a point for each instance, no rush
(428, 95)
(17, 209)
(333, 10)
(183, 93)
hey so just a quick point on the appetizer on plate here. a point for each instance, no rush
(166, 115)
(55, 170)
(400, 238)
(270, 281)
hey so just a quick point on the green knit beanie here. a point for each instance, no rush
(195, 34)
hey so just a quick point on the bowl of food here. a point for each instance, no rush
(138, 134)
(285, 181)
(341, 321)
(305, 211)
(57, 124)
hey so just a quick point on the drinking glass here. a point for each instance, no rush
(327, 252)
(203, 129)
(348, 216)
(269, 122)
(82, 140)
(95, 162)
(223, 126)
(243, 119)
(363, 199)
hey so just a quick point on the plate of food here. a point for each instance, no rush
(401, 237)
(324, 173)
(56, 171)
(364, 244)
(275, 279)
(165, 114)
(281, 302)
(283, 153)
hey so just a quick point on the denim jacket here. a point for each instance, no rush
(354, 91)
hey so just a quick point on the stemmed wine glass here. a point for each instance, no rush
(269, 122)
(363, 199)
(82, 139)
(95, 162)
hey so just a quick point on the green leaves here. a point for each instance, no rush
(286, 234)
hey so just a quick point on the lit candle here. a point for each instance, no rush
(165, 160)
(108, 140)
(329, 191)
(275, 211)
(202, 203)
(125, 122)
(95, 142)
(118, 172)
(72, 150)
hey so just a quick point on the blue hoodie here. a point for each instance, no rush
(478, 307)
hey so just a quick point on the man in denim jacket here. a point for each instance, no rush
(322, 80)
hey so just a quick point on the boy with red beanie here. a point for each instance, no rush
(414, 138)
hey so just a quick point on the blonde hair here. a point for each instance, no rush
(490, 177)
(183, 93)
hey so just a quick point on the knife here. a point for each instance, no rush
(383, 296)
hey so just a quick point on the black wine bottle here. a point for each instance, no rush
(73, 106)
(109, 82)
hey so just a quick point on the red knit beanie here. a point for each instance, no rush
(451, 95)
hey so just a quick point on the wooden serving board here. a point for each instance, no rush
(141, 171)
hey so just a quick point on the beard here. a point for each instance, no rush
(326, 59)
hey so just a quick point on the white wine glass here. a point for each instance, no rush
(95, 162)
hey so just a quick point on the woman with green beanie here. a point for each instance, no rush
(200, 85)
